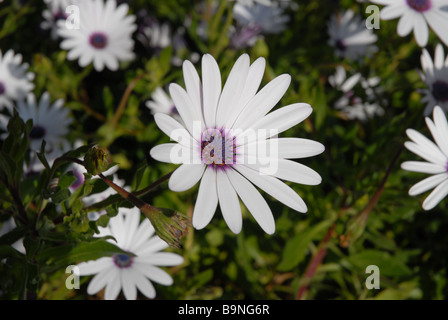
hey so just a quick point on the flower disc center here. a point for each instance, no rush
(2, 88)
(37, 132)
(440, 90)
(59, 15)
(122, 260)
(98, 40)
(419, 5)
(217, 148)
(340, 45)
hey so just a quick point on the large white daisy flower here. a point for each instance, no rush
(268, 19)
(228, 140)
(15, 80)
(436, 156)
(127, 273)
(417, 15)
(435, 75)
(104, 36)
(350, 37)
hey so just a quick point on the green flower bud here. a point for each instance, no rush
(170, 225)
(97, 160)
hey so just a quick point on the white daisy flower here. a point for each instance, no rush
(104, 36)
(350, 37)
(435, 75)
(436, 156)
(268, 19)
(15, 80)
(56, 5)
(417, 15)
(350, 104)
(56, 11)
(222, 143)
(162, 103)
(127, 273)
(50, 123)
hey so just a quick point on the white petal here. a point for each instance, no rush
(421, 31)
(185, 177)
(232, 90)
(263, 102)
(154, 273)
(253, 201)
(165, 259)
(113, 286)
(92, 267)
(442, 128)
(188, 112)
(427, 184)
(422, 152)
(211, 88)
(392, 11)
(287, 148)
(207, 199)
(192, 84)
(253, 80)
(276, 122)
(274, 187)
(99, 281)
(436, 196)
(423, 167)
(228, 202)
(438, 21)
(405, 24)
(128, 283)
(173, 129)
(145, 286)
(427, 145)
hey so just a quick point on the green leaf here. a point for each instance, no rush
(296, 248)
(79, 252)
(388, 265)
(13, 235)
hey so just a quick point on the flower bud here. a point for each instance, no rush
(97, 160)
(170, 225)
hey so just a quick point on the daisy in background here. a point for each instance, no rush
(416, 15)
(350, 37)
(56, 10)
(15, 80)
(269, 19)
(50, 123)
(222, 139)
(162, 103)
(104, 37)
(435, 75)
(352, 105)
(127, 273)
(435, 156)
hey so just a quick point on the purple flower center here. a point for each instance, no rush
(2, 88)
(340, 45)
(419, 5)
(37, 132)
(79, 180)
(173, 110)
(440, 90)
(59, 15)
(217, 149)
(98, 40)
(122, 260)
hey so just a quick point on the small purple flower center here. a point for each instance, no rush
(440, 90)
(217, 149)
(340, 45)
(419, 5)
(122, 260)
(59, 15)
(2, 88)
(173, 110)
(79, 180)
(98, 40)
(37, 132)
